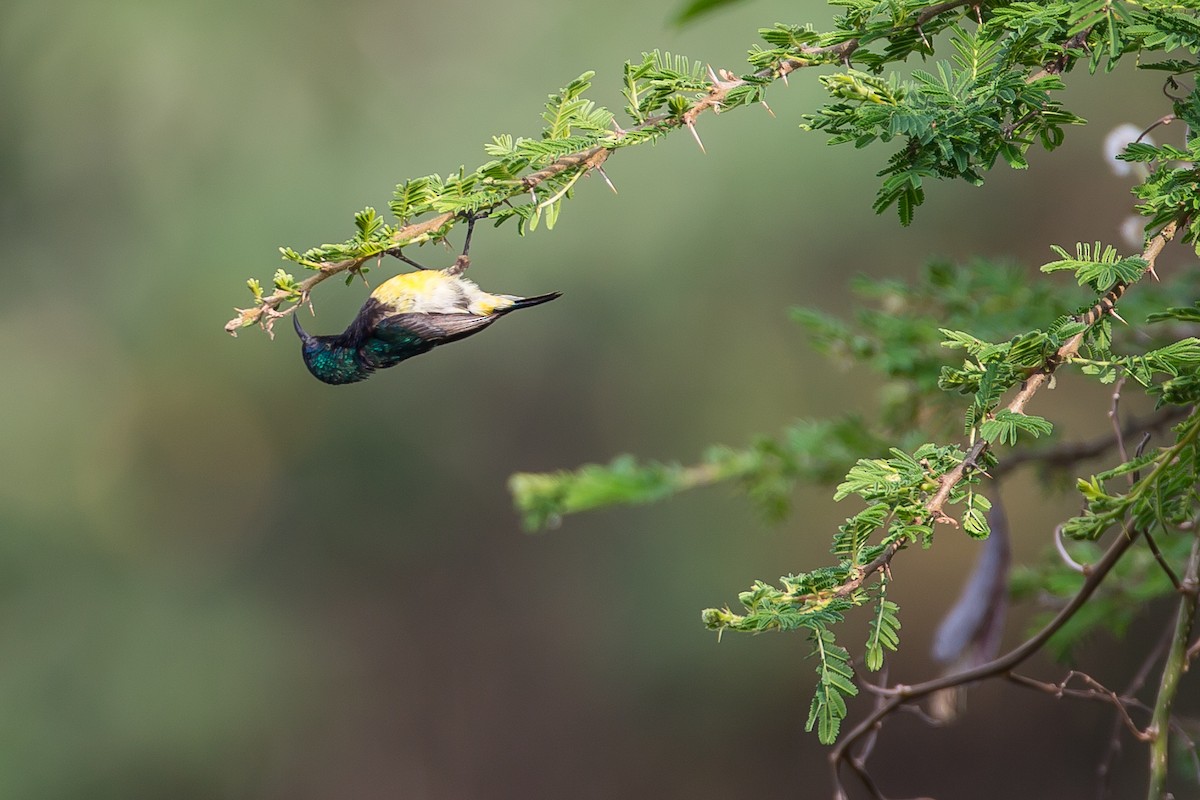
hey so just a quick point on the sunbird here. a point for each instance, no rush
(405, 316)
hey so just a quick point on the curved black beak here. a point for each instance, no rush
(304, 337)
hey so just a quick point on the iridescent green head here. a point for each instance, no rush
(331, 359)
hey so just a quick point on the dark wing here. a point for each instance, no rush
(399, 336)
(436, 329)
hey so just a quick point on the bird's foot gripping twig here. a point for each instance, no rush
(459, 266)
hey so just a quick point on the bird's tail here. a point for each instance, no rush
(526, 302)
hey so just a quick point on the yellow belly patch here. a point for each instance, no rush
(410, 291)
(434, 292)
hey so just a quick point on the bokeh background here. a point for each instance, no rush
(222, 579)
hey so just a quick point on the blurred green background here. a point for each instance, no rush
(221, 578)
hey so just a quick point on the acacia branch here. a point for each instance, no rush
(267, 311)
(722, 82)
(935, 506)
(1176, 661)
(1096, 691)
(900, 694)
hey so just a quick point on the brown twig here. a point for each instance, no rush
(1162, 562)
(1122, 703)
(901, 694)
(268, 309)
(1104, 769)
(1097, 691)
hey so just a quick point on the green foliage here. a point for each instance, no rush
(1098, 269)
(1163, 500)
(767, 471)
(1003, 426)
(884, 630)
(896, 336)
(835, 682)
(1171, 185)
(544, 498)
(1185, 314)
(958, 352)
(974, 518)
(283, 281)
(651, 84)
(698, 8)
(955, 122)
(992, 99)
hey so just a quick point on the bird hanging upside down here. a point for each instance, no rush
(405, 316)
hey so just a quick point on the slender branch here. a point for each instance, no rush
(1122, 703)
(902, 694)
(1114, 417)
(935, 505)
(1098, 692)
(266, 311)
(1059, 65)
(1068, 453)
(1162, 563)
(1173, 669)
(1104, 769)
(941, 8)
(906, 694)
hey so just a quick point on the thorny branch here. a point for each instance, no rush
(1066, 352)
(1095, 691)
(900, 694)
(1104, 769)
(1122, 703)
(266, 311)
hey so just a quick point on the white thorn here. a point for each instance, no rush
(712, 76)
(1118, 316)
(695, 135)
(604, 175)
(784, 76)
(767, 107)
